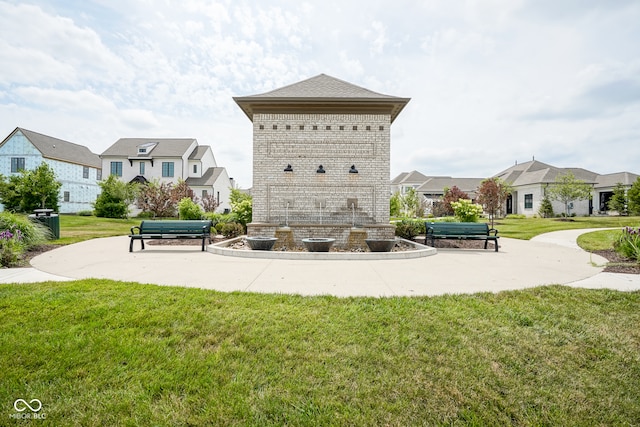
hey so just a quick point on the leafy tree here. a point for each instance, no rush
(156, 197)
(209, 203)
(633, 196)
(492, 195)
(395, 204)
(9, 195)
(452, 194)
(114, 200)
(568, 188)
(410, 202)
(241, 206)
(618, 201)
(546, 208)
(31, 189)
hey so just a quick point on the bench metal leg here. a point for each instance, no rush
(131, 245)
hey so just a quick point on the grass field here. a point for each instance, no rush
(100, 352)
(110, 353)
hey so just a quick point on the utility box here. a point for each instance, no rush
(48, 218)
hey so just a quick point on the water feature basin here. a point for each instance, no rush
(261, 243)
(318, 244)
(381, 245)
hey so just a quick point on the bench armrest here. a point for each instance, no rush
(134, 227)
(495, 232)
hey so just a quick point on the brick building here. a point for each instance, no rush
(321, 154)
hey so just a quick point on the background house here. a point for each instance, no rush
(529, 181)
(169, 160)
(75, 166)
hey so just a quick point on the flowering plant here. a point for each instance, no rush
(11, 247)
(628, 244)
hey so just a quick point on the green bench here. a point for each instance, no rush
(461, 230)
(180, 229)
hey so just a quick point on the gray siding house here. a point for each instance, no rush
(76, 167)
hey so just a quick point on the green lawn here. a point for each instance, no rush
(111, 353)
(100, 352)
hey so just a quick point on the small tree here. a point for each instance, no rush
(209, 203)
(452, 194)
(114, 200)
(241, 206)
(31, 189)
(633, 197)
(410, 203)
(492, 194)
(568, 188)
(546, 208)
(618, 201)
(156, 198)
(395, 204)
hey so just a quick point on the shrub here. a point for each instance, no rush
(85, 213)
(409, 228)
(628, 244)
(114, 199)
(188, 209)
(33, 233)
(231, 229)
(546, 208)
(516, 216)
(11, 248)
(466, 211)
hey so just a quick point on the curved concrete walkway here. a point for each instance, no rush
(553, 258)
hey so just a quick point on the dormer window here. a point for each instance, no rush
(144, 149)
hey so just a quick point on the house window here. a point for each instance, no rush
(528, 201)
(195, 168)
(66, 196)
(167, 169)
(116, 168)
(85, 172)
(204, 193)
(142, 150)
(98, 174)
(17, 164)
(141, 168)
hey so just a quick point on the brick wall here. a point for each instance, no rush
(335, 141)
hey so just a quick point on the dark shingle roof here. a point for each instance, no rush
(207, 179)
(166, 147)
(58, 149)
(325, 90)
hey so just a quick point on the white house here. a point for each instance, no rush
(169, 160)
(529, 182)
(75, 166)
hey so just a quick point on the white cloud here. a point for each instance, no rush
(491, 81)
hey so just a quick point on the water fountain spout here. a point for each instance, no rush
(353, 215)
(286, 215)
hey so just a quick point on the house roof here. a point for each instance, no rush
(398, 179)
(413, 177)
(166, 147)
(58, 149)
(198, 153)
(535, 172)
(437, 184)
(207, 179)
(611, 179)
(321, 93)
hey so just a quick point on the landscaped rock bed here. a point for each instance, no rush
(399, 247)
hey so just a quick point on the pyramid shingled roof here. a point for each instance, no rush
(321, 90)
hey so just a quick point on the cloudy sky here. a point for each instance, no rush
(491, 82)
